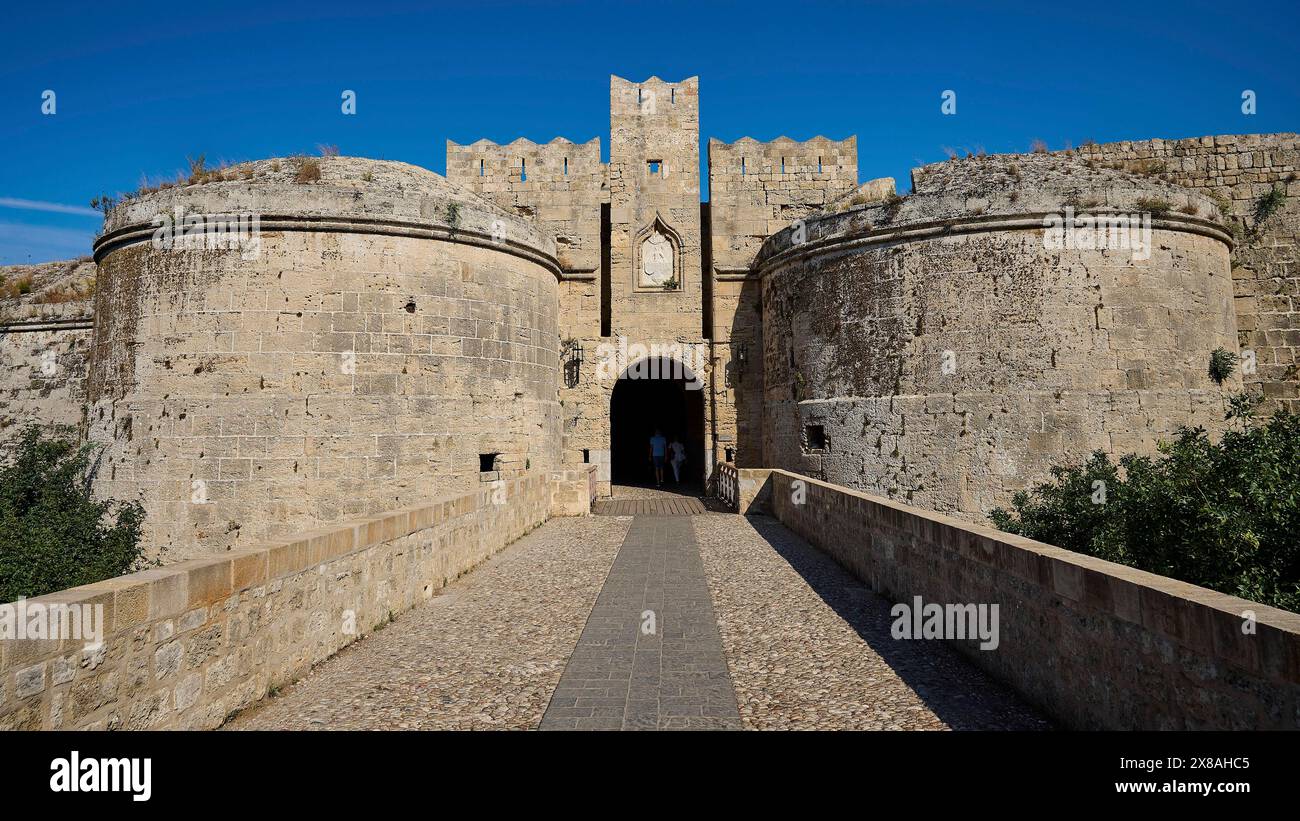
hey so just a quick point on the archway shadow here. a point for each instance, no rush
(661, 395)
(959, 693)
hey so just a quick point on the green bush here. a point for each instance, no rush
(1270, 204)
(1221, 515)
(53, 533)
(1222, 363)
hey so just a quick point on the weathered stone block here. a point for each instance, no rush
(209, 580)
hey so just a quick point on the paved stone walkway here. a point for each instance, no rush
(484, 654)
(650, 656)
(752, 627)
(809, 646)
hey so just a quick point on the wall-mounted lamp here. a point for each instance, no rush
(737, 364)
(571, 355)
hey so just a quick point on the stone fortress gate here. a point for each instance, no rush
(391, 335)
(337, 385)
(654, 282)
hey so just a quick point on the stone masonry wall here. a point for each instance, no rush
(42, 372)
(1097, 645)
(45, 331)
(351, 363)
(558, 186)
(655, 122)
(188, 645)
(1265, 262)
(856, 345)
(756, 189)
(562, 195)
(937, 351)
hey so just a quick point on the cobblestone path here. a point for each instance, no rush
(485, 654)
(752, 628)
(809, 646)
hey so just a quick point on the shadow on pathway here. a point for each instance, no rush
(960, 694)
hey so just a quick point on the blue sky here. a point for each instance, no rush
(142, 86)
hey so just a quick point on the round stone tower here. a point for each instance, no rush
(1012, 313)
(299, 341)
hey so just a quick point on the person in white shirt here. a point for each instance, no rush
(678, 451)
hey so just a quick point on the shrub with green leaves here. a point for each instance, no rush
(1222, 515)
(1222, 363)
(53, 533)
(1270, 204)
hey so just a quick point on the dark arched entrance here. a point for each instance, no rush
(654, 394)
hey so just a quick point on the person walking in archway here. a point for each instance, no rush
(658, 455)
(677, 458)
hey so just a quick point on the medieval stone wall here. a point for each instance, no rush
(385, 337)
(937, 351)
(1096, 645)
(189, 645)
(44, 345)
(756, 189)
(654, 180)
(558, 186)
(43, 362)
(1241, 170)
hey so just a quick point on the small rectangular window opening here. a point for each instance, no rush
(586, 456)
(654, 165)
(672, 95)
(815, 437)
(731, 454)
(783, 165)
(487, 462)
(819, 165)
(481, 169)
(566, 166)
(523, 170)
(742, 166)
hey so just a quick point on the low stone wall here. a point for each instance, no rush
(187, 645)
(1096, 645)
(744, 490)
(575, 490)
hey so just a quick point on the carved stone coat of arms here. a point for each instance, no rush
(656, 261)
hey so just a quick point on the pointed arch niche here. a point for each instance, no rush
(657, 258)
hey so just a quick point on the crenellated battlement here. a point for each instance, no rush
(558, 185)
(754, 163)
(654, 97)
(757, 188)
(489, 166)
